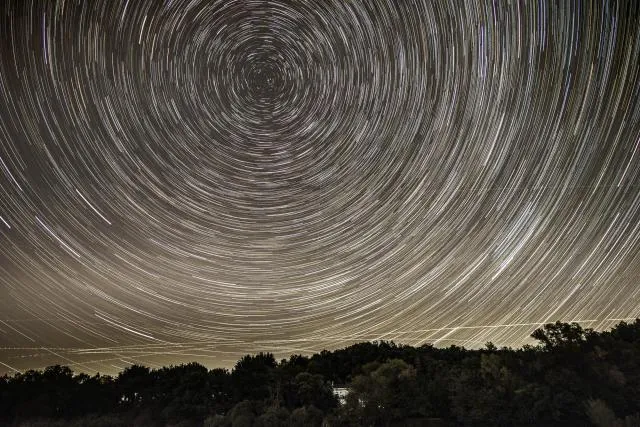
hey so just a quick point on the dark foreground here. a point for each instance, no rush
(573, 377)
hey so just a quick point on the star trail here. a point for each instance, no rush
(191, 180)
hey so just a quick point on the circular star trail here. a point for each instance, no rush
(196, 180)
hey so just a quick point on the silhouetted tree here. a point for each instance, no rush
(306, 416)
(221, 390)
(561, 335)
(253, 377)
(183, 392)
(313, 390)
(135, 386)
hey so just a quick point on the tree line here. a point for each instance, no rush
(574, 376)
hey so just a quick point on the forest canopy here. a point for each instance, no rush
(574, 376)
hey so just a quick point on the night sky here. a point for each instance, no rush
(194, 180)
